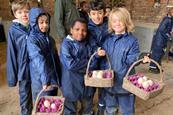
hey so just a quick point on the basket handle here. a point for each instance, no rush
(91, 59)
(38, 96)
(151, 60)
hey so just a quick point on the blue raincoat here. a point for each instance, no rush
(160, 39)
(17, 60)
(74, 56)
(98, 32)
(42, 55)
(18, 65)
(122, 50)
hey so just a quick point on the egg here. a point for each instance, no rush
(46, 103)
(53, 106)
(100, 74)
(150, 82)
(145, 85)
(145, 78)
(140, 80)
(94, 75)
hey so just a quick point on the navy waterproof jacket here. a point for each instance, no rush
(163, 33)
(98, 32)
(74, 56)
(122, 50)
(17, 59)
(42, 53)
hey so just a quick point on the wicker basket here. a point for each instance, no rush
(129, 86)
(99, 82)
(35, 112)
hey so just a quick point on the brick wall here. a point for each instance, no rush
(5, 12)
(141, 10)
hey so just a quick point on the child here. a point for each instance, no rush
(83, 12)
(123, 49)
(42, 54)
(75, 52)
(98, 29)
(17, 58)
(107, 10)
(98, 25)
(160, 40)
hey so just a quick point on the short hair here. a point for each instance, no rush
(94, 5)
(18, 4)
(82, 3)
(81, 20)
(124, 17)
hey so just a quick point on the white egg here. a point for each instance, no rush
(140, 80)
(46, 103)
(150, 82)
(94, 75)
(145, 78)
(53, 106)
(100, 74)
(145, 84)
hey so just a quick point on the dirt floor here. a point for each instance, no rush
(160, 105)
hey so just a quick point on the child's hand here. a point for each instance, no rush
(47, 87)
(101, 52)
(146, 59)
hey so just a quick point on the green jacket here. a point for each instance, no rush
(65, 13)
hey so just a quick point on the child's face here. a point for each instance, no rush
(97, 16)
(79, 31)
(117, 25)
(171, 12)
(43, 23)
(85, 7)
(22, 15)
(108, 10)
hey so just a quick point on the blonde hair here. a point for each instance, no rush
(18, 4)
(124, 16)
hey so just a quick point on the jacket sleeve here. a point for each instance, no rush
(12, 67)
(59, 18)
(38, 61)
(71, 62)
(133, 53)
(163, 28)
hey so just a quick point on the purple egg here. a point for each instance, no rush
(53, 110)
(48, 110)
(108, 74)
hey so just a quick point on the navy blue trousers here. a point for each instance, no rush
(25, 97)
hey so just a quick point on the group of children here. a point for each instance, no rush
(33, 61)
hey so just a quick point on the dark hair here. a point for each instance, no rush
(94, 5)
(81, 20)
(44, 14)
(82, 3)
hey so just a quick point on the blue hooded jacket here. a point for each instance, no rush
(98, 33)
(74, 57)
(42, 52)
(163, 33)
(17, 57)
(122, 50)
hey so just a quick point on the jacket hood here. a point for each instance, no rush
(33, 15)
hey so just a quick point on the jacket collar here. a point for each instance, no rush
(119, 36)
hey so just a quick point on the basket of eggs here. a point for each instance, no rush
(48, 105)
(141, 85)
(99, 78)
